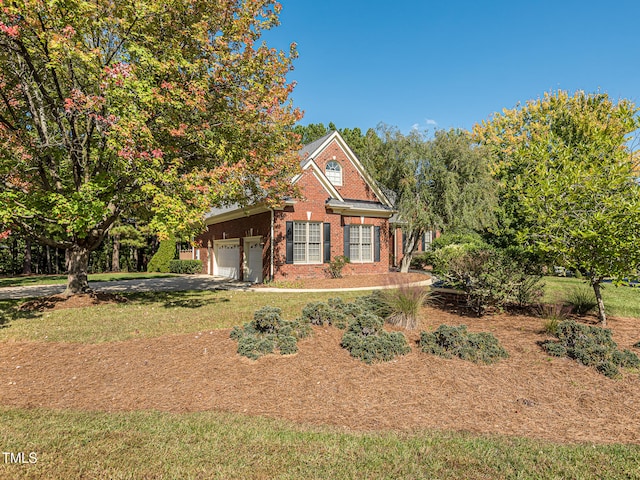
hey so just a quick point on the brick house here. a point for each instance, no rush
(342, 212)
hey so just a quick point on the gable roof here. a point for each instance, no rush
(308, 154)
(311, 151)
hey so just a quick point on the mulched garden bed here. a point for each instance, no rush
(528, 394)
(350, 281)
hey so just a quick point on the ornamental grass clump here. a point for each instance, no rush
(268, 332)
(582, 300)
(365, 339)
(591, 346)
(404, 303)
(449, 341)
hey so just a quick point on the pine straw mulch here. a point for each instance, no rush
(529, 394)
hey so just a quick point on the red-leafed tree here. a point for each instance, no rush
(143, 108)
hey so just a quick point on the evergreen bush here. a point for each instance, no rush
(591, 346)
(185, 266)
(365, 339)
(448, 341)
(268, 332)
(162, 258)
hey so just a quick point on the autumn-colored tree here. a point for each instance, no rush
(166, 107)
(567, 184)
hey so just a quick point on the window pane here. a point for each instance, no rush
(314, 233)
(354, 252)
(354, 234)
(299, 232)
(314, 252)
(298, 252)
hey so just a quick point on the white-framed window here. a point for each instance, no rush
(361, 243)
(333, 171)
(307, 242)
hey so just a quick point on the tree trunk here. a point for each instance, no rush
(115, 256)
(411, 241)
(77, 267)
(26, 265)
(601, 314)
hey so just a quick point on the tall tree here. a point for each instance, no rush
(567, 182)
(440, 183)
(166, 107)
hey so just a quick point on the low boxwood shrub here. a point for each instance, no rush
(449, 341)
(268, 332)
(591, 346)
(185, 266)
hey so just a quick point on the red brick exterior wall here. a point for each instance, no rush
(238, 228)
(353, 185)
(311, 208)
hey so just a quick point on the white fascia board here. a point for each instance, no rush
(367, 178)
(324, 181)
(237, 213)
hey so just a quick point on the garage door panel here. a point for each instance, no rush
(227, 261)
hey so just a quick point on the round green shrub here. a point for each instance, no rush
(267, 319)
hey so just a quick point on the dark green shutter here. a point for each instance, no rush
(424, 241)
(347, 237)
(327, 242)
(289, 237)
(376, 245)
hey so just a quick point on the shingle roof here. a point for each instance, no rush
(309, 148)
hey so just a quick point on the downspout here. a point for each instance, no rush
(271, 248)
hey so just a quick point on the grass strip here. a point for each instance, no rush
(216, 445)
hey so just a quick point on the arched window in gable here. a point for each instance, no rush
(333, 171)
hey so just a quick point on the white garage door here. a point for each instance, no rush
(253, 251)
(227, 260)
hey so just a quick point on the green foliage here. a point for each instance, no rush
(326, 313)
(151, 110)
(365, 338)
(567, 182)
(448, 341)
(185, 266)
(405, 303)
(591, 346)
(582, 300)
(162, 259)
(268, 332)
(489, 277)
(336, 265)
(440, 183)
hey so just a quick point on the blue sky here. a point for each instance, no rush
(443, 64)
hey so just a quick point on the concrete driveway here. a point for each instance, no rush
(169, 284)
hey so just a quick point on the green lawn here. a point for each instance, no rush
(62, 279)
(133, 445)
(150, 315)
(618, 301)
(215, 445)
